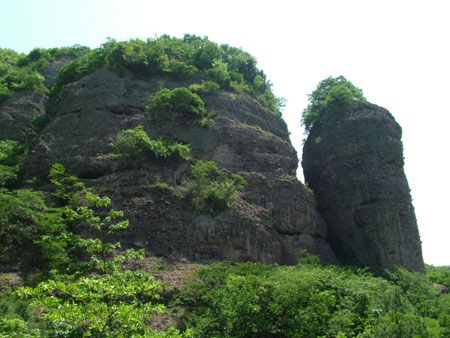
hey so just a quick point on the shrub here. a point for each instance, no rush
(210, 188)
(136, 143)
(439, 274)
(117, 304)
(22, 221)
(18, 79)
(14, 77)
(219, 74)
(204, 51)
(178, 103)
(205, 87)
(39, 58)
(11, 154)
(330, 96)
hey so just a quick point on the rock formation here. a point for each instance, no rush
(353, 161)
(274, 218)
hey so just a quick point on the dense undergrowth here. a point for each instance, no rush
(309, 300)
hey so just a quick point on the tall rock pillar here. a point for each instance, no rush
(353, 161)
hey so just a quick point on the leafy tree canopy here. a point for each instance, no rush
(331, 95)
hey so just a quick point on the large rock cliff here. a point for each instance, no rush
(353, 160)
(272, 220)
(69, 106)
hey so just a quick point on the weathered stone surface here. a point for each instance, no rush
(274, 218)
(354, 163)
(16, 115)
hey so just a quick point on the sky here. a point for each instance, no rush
(397, 51)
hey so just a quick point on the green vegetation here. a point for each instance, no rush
(14, 77)
(308, 300)
(79, 285)
(439, 275)
(210, 188)
(205, 87)
(11, 153)
(39, 58)
(330, 97)
(178, 104)
(202, 65)
(191, 58)
(136, 143)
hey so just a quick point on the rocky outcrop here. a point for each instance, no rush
(353, 161)
(17, 114)
(274, 218)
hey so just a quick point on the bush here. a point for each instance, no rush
(136, 143)
(210, 188)
(330, 97)
(117, 304)
(219, 74)
(11, 154)
(178, 103)
(439, 274)
(205, 87)
(39, 58)
(13, 77)
(22, 222)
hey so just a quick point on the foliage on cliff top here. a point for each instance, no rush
(330, 97)
(14, 77)
(191, 58)
(23, 71)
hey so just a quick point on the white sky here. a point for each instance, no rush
(397, 51)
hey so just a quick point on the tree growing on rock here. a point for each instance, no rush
(331, 94)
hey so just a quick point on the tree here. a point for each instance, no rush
(94, 295)
(329, 97)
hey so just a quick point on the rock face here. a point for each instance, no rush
(353, 161)
(17, 113)
(274, 218)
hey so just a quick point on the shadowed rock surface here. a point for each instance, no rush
(16, 115)
(354, 163)
(273, 219)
